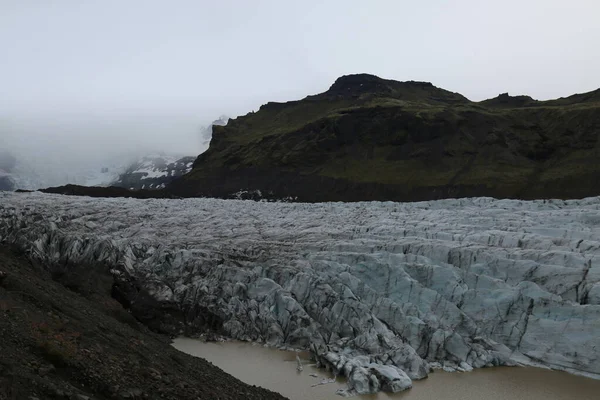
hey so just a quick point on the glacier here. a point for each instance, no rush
(379, 292)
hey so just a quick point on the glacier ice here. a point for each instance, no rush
(379, 292)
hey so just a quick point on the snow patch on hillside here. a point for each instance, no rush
(154, 171)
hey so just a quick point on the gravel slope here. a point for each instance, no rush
(78, 343)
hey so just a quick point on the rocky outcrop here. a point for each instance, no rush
(206, 132)
(505, 100)
(453, 284)
(368, 138)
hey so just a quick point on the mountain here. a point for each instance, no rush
(156, 171)
(368, 138)
(153, 172)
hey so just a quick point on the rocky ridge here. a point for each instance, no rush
(206, 132)
(379, 292)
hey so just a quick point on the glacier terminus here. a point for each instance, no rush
(379, 292)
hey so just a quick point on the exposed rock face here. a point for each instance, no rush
(453, 284)
(368, 138)
(358, 85)
(153, 172)
(206, 132)
(505, 100)
(64, 337)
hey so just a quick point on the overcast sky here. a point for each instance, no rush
(165, 67)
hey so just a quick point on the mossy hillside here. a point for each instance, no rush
(411, 135)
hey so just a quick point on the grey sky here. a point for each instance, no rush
(77, 62)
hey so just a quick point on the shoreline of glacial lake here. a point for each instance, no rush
(275, 370)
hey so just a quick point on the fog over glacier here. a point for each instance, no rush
(83, 136)
(75, 149)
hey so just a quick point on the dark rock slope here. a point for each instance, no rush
(64, 337)
(368, 138)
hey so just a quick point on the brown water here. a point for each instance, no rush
(276, 370)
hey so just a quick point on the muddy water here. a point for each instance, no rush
(276, 370)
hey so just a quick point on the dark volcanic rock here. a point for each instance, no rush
(359, 84)
(507, 101)
(206, 132)
(355, 86)
(111, 191)
(67, 338)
